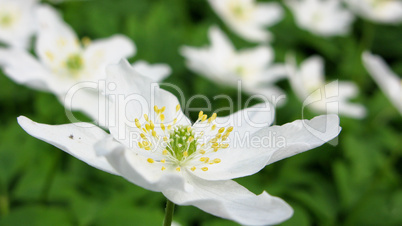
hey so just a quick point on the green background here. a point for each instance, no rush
(357, 182)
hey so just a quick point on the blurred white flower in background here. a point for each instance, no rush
(248, 18)
(64, 62)
(381, 11)
(221, 63)
(191, 164)
(321, 17)
(17, 22)
(388, 81)
(308, 83)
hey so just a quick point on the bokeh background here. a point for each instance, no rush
(357, 182)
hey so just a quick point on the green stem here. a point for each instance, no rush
(168, 213)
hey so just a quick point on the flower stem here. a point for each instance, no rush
(168, 213)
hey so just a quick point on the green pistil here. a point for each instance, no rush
(180, 142)
(6, 20)
(238, 11)
(74, 62)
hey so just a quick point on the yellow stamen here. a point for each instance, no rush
(204, 117)
(221, 130)
(162, 117)
(193, 168)
(202, 152)
(143, 136)
(217, 160)
(202, 159)
(163, 168)
(162, 109)
(146, 117)
(163, 161)
(230, 129)
(162, 127)
(178, 169)
(150, 160)
(200, 114)
(164, 152)
(153, 133)
(185, 154)
(177, 107)
(224, 145)
(204, 168)
(213, 127)
(137, 123)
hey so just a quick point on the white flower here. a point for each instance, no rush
(248, 18)
(63, 62)
(388, 81)
(321, 17)
(221, 63)
(17, 22)
(156, 72)
(158, 148)
(308, 82)
(381, 11)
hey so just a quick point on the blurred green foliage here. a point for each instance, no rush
(357, 182)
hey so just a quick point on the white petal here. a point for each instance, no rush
(220, 43)
(312, 72)
(135, 95)
(229, 200)
(56, 39)
(299, 136)
(268, 14)
(23, 68)
(248, 120)
(99, 53)
(136, 169)
(76, 139)
(156, 72)
(388, 81)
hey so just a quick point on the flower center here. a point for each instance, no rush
(74, 62)
(6, 20)
(182, 143)
(175, 146)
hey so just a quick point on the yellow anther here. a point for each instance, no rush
(50, 55)
(162, 117)
(147, 127)
(188, 129)
(156, 109)
(230, 129)
(221, 130)
(185, 154)
(178, 169)
(145, 143)
(218, 135)
(213, 127)
(204, 117)
(206, 160)
(140, 145)
(204, 168)
(200, 115)
(153, 133)
(217, 160)
(202, 159)
(169, 127)
(143, 136)
(150, 160)
(202, 152)
(152, 125)
(137, 123)
(162, 127)
(190, 139)
(177, 107)
(86, 41)
(164, 152)
(193, 168)
(165, 139)
(214, 140)
(146, 117)
(163, 168)
(224, 145)
(224, 137)
(147, 148)
(174, 121)
(163, 161)
(213, 116)
(162, 109)
(216, 149)
(214, 145)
